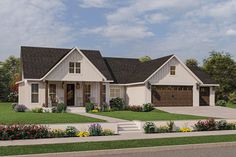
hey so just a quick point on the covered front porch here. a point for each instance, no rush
(75, 93)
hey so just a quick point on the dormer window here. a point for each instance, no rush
(172, 70)
(74, 67)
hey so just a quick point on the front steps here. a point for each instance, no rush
(75, 109)
(128, 127)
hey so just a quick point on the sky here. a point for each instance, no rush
(120, 28)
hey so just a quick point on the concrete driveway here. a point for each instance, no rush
(206, 111)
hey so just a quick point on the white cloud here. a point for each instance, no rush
(31, 22)
(156, 18)
(231, 32)
(94, 3)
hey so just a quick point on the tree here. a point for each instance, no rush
(191, 62)
(222, 68)
(9, 74)
(144, 59)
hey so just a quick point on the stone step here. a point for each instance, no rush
(128, 129)
(126, 132)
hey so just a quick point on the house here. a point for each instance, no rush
(76, 76)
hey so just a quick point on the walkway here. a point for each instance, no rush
(127, 136)
(206, 111)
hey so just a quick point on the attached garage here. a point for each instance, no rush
(164, 96)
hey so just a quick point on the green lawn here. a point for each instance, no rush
(8, 116)
(85, 146)
(231, 105)
(148, 116)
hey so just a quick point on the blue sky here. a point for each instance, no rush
(124, 28)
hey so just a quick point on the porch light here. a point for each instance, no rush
(197, 86)
(149, 85)
(77, 85)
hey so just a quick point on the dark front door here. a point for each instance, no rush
(70, 95)
(204, 96)
(172, 96)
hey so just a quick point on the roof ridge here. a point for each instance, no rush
(42, 47)
(119, 58)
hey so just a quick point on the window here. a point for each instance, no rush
(71, 67)
(87, 93)
(74, 67)
(172, 70)
(115, 92)
(52, 93)
(103, 93)
(77, 67)
(34, 93)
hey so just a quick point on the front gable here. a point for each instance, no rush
(61, 71)
(183, 75)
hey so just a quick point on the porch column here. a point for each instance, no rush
(100, 93)
(83, 95)
(46, 93)
(108, 93)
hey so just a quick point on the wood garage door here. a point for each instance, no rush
(172, 95)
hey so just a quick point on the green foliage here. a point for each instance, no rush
(134, 108)
(89, 106)
(71, 131)
(221, 103)
(222, 68)
(224, 125)
(95, 130)
(149, 127)
(145, 59)
(148, 107)
(20, 108)
(191, 62)
(117, 104)
(61, 108)
(37, 110)
(171, 125)
(208, 125)
(56, 133)
(13, 105)
(232, 97)
(107, 132)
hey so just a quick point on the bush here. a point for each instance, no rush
(89, 106)
(94, 111)
(221, 103)
(37, 110)
(82, 134)
(208, 125)
(232, 97)
(163, 129)
(148, 107)
(16, 132)
(61, 107)
(71, 131)
(134, 108)
(20, 108)
(107, 132)
(95, 130)
(149, 127)
(13, 105)
(55, 133)
(54, 110)
(223, 125)
(105, 107)
(117, 104)
(171, 126)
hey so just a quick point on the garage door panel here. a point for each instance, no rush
(172, 95)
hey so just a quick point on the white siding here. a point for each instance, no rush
(88, 71)
(212, 96)
(135, 95)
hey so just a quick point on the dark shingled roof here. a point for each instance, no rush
(203, 76)
(37, 61)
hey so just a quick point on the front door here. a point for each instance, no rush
(204, 96)
(70, 95)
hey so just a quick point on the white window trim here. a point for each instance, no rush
(75, 68)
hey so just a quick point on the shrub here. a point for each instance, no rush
(61, 107)
(89, 106)
(163, 129)
(37, 110)
(134, 108)
(82, 134)
(207, 125)
(20, 108)
(16, 132)
(13, 105)
(221, 103)
(71, 131)
(55, 133)
(223, 125)
(105, 107)
(232, 97)
(171, 126)
(95, 130)
(148, 107)
(117, 104)
(94, 111)
(107, 132)
(149, 127)
(54, 110)
(185, 130)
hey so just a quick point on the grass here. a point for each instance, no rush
(231, 105)
(149, 116)
(8, 116)
(85, 146)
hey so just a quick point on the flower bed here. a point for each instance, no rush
(202, 125)
(17, 132)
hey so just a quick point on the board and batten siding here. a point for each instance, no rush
(88, 72)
